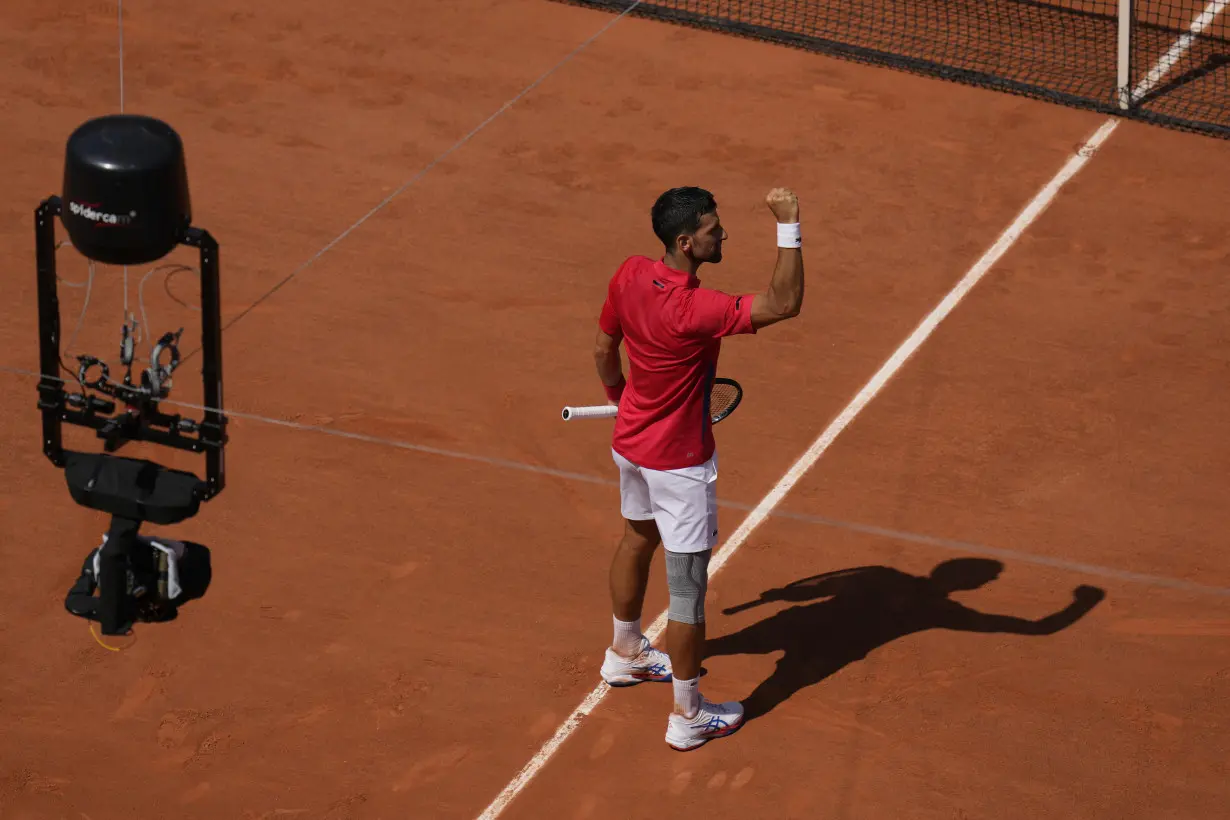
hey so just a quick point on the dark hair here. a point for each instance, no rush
(678, 211)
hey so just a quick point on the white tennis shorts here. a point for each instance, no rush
(682, 502)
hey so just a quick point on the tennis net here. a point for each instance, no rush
(1162, 61)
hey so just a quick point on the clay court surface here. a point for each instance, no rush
(394, 628)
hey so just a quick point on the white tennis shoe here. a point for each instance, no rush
(648, 665)
(711, 721)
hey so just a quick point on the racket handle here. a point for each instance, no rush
(593, 411)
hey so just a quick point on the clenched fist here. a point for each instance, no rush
(784, 205)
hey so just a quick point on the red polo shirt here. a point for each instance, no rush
(672, 330)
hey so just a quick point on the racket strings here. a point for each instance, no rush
(722, 398)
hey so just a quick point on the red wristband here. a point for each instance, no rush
(614, 393)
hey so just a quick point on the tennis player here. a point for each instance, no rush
(663, 445)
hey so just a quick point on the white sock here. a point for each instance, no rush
(687, 696)
(627, 637)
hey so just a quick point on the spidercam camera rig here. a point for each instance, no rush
(125, 201)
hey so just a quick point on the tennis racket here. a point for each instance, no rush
(724, 396)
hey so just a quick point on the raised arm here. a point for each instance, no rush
(783, 299)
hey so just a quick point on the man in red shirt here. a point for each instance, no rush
(663, 441)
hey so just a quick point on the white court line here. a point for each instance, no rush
(762, 510)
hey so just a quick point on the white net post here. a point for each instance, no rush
(1124, 72)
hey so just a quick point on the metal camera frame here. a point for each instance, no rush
(142, 420)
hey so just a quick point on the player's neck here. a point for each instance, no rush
(681, 263)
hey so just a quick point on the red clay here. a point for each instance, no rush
(393, 633)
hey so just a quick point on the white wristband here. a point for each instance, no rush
(789, 235)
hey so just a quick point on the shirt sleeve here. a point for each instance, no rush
(712, 314)
(608, 319)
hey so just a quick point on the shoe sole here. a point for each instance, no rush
(727, 732)
(621, 682)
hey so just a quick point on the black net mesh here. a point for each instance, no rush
(1179, 64)
(1066, 51)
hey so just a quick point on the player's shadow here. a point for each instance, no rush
(842, 616)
